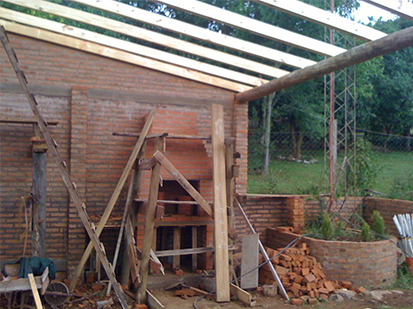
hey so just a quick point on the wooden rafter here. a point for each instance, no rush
(367, 51)
(130, 47)
(399, 8)
(325, 18)
(150, 36)
(254, 26)
(116, 54)
(199, 33)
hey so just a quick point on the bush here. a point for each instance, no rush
(365, 232)
(378, 225)
(327, 227)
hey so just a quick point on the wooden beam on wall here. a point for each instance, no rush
(49, 91)
(199, 33)
(130, 47)
(220, 205)
(150, 36)
(399, 8)
(116, 54)
(325, 18)
(390, 43)
(254, 26)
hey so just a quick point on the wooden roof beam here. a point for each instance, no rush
(198, 33)
(150, 36)
(401, 9)
(325, 18)
(390, 43)
(120, 55)
(254, 26)
(130, 47)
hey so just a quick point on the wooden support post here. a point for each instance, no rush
(114, 196)
(230, 181)
(176, 263)
(194, 246)
(39, 193)
(220, 205)
(71, 187)
(183, 182)
(149, 224)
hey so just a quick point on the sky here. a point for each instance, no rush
(365, 10)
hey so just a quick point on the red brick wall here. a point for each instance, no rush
(84, 134)
(370, 264)
(387, 208)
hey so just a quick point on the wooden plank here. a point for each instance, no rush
(149, 224)
(48, 91)
(220, 204)
(25, 121)
(325, 18)
(390, 43)
(120, 55)
(45, 280)
(153, 303)
(130, 47)
(183, 182)
(249, 262)
(176, 262)
(254, 26)
(189, 251)
(194, 246)
(35, 292)
(171, 24)
(146, 96)
(241, 295)
(71, 187)
(151, 36)
(114, 197)
(182, 223)
(403, 9)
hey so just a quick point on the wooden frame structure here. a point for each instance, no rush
(183, 66)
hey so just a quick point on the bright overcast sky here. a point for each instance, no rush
(366, 10)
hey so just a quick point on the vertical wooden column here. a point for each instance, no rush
(220, 204)
(176, 262)
(149, 224)
(39, 150)
(194, 245)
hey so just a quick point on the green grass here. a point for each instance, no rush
(299, 178)
(404, 279)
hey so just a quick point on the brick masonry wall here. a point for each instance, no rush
(84, 134)
(387, 208)
(370, 264)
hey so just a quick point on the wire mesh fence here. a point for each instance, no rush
(383, 163)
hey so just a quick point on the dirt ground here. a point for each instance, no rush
(395, 300)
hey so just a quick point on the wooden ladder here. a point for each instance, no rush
(71, 186)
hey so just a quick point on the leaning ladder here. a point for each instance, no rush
(71, 186)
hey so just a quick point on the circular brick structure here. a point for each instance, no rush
(369, 264)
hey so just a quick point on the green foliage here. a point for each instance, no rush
(404, 278)
(366, 167)
(365, 232)
(327, 227)
(378, 225)
(402, 187)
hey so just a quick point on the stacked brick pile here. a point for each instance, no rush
(301, 275)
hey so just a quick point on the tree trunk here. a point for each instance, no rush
(267, 133)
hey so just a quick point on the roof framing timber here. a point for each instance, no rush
(150, 36)
(129, 47)
(325, 18)
(199, 33)
(254, 26)
(399, 8)
(120, 55)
